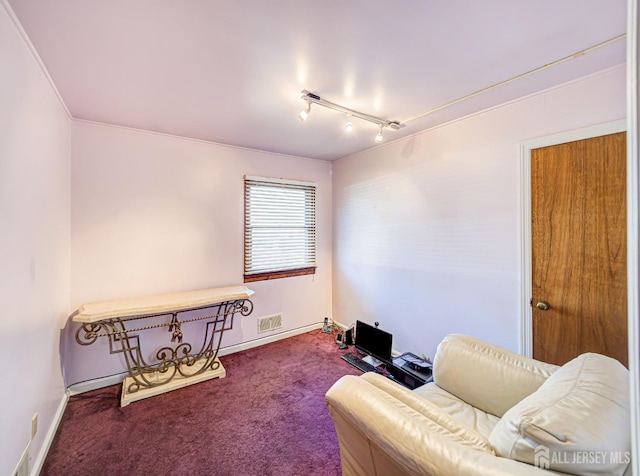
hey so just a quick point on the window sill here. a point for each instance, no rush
(278, 274)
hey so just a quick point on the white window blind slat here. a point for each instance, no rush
(280, 226)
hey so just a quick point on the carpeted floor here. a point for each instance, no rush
(266, 417)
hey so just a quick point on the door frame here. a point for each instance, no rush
(526, 325)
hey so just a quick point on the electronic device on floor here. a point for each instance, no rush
(415, 362)
(374, 343)
(407, 369)
(359, 363)
(348, 336)
(340, 340)
(410, 370)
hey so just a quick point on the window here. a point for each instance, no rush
(279, 228)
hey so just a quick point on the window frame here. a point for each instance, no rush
(281, 184)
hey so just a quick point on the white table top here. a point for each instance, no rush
(158, 304)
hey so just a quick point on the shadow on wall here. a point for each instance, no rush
(409, 147)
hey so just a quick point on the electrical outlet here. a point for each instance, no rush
(34, 425)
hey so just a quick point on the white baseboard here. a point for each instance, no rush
(96, 383)
(340, 325)
(102, 382)
(36, 467)
(232, 349)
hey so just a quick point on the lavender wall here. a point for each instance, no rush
(153, 213)
(427, 228)
(34, 245)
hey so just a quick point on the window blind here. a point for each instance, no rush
(280, 226)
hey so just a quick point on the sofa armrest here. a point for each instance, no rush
(380, 434)
(486, 376)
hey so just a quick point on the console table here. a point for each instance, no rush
(176, 365)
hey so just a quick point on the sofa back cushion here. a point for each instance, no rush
(486, 376)
(577, 422)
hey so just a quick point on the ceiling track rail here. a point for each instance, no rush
(575, 55)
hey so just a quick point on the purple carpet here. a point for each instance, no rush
(267, 416)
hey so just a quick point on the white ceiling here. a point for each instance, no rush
(232, 71)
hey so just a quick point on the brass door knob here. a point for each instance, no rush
(543, 306)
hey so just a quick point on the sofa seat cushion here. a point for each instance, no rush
(472, 417)
(387, 401)
(574, 423)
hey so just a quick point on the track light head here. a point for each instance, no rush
(379, 136)
(349, 125)
(302, 115)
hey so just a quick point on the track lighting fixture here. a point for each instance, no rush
(381, 123)
(302, 115)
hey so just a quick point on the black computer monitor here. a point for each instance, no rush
(373, 341)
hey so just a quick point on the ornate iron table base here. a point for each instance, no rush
(176, 365)
(179, 381)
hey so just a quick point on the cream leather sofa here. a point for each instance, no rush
(488, 411)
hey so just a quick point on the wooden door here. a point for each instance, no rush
(579, 252)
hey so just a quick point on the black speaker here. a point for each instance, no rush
(348, 336)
